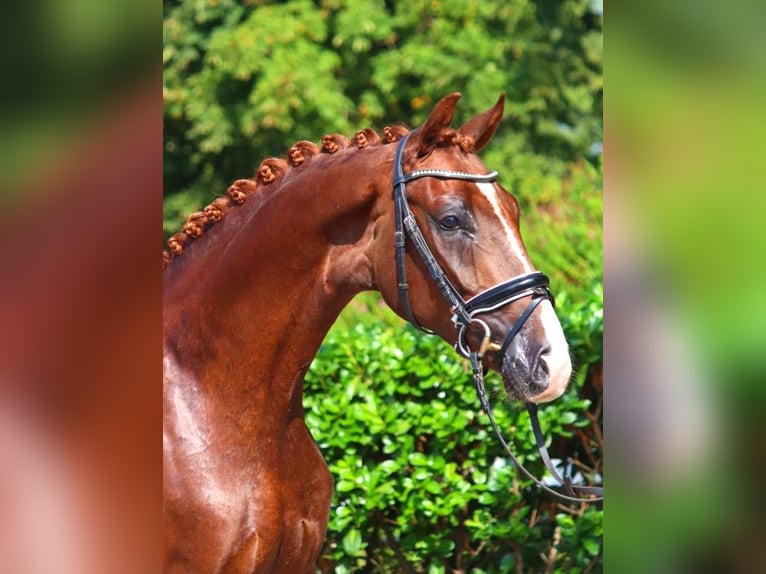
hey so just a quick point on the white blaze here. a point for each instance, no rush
(558, 361)
(489, 191)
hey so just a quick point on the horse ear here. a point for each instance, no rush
(440, 119)
(482, 127)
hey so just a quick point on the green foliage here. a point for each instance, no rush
(244, 81)
(420, 477)
(561, 222)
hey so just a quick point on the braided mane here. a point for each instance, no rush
(272, 169)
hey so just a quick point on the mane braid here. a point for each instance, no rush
(333, 143)
(451, 137)
(366, 137)
(270, 171)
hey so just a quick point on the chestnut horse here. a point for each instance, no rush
(247, 306)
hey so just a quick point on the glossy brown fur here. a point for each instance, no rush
(247, 306)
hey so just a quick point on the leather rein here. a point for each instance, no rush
(465, 313)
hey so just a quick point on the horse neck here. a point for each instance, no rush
(248, 304)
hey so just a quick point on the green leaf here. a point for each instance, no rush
(592, 546)
(352, 542)
(417, 459)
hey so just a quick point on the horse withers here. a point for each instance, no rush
(253, 283)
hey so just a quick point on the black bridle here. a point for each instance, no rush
(465, 313)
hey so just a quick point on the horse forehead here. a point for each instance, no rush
(486, 198)
(495, 203)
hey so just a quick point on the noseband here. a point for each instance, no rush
(465, 313)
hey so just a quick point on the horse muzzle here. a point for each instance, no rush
(534, 373)
(533, 359)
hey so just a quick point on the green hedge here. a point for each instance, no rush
(421, 483)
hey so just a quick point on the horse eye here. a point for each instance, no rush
(450, 222)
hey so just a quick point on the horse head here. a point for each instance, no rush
(461, 266)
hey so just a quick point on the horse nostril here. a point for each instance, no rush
(541, 364)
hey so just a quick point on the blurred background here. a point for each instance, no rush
(84, 167)
(684, 277)
(80, 299)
